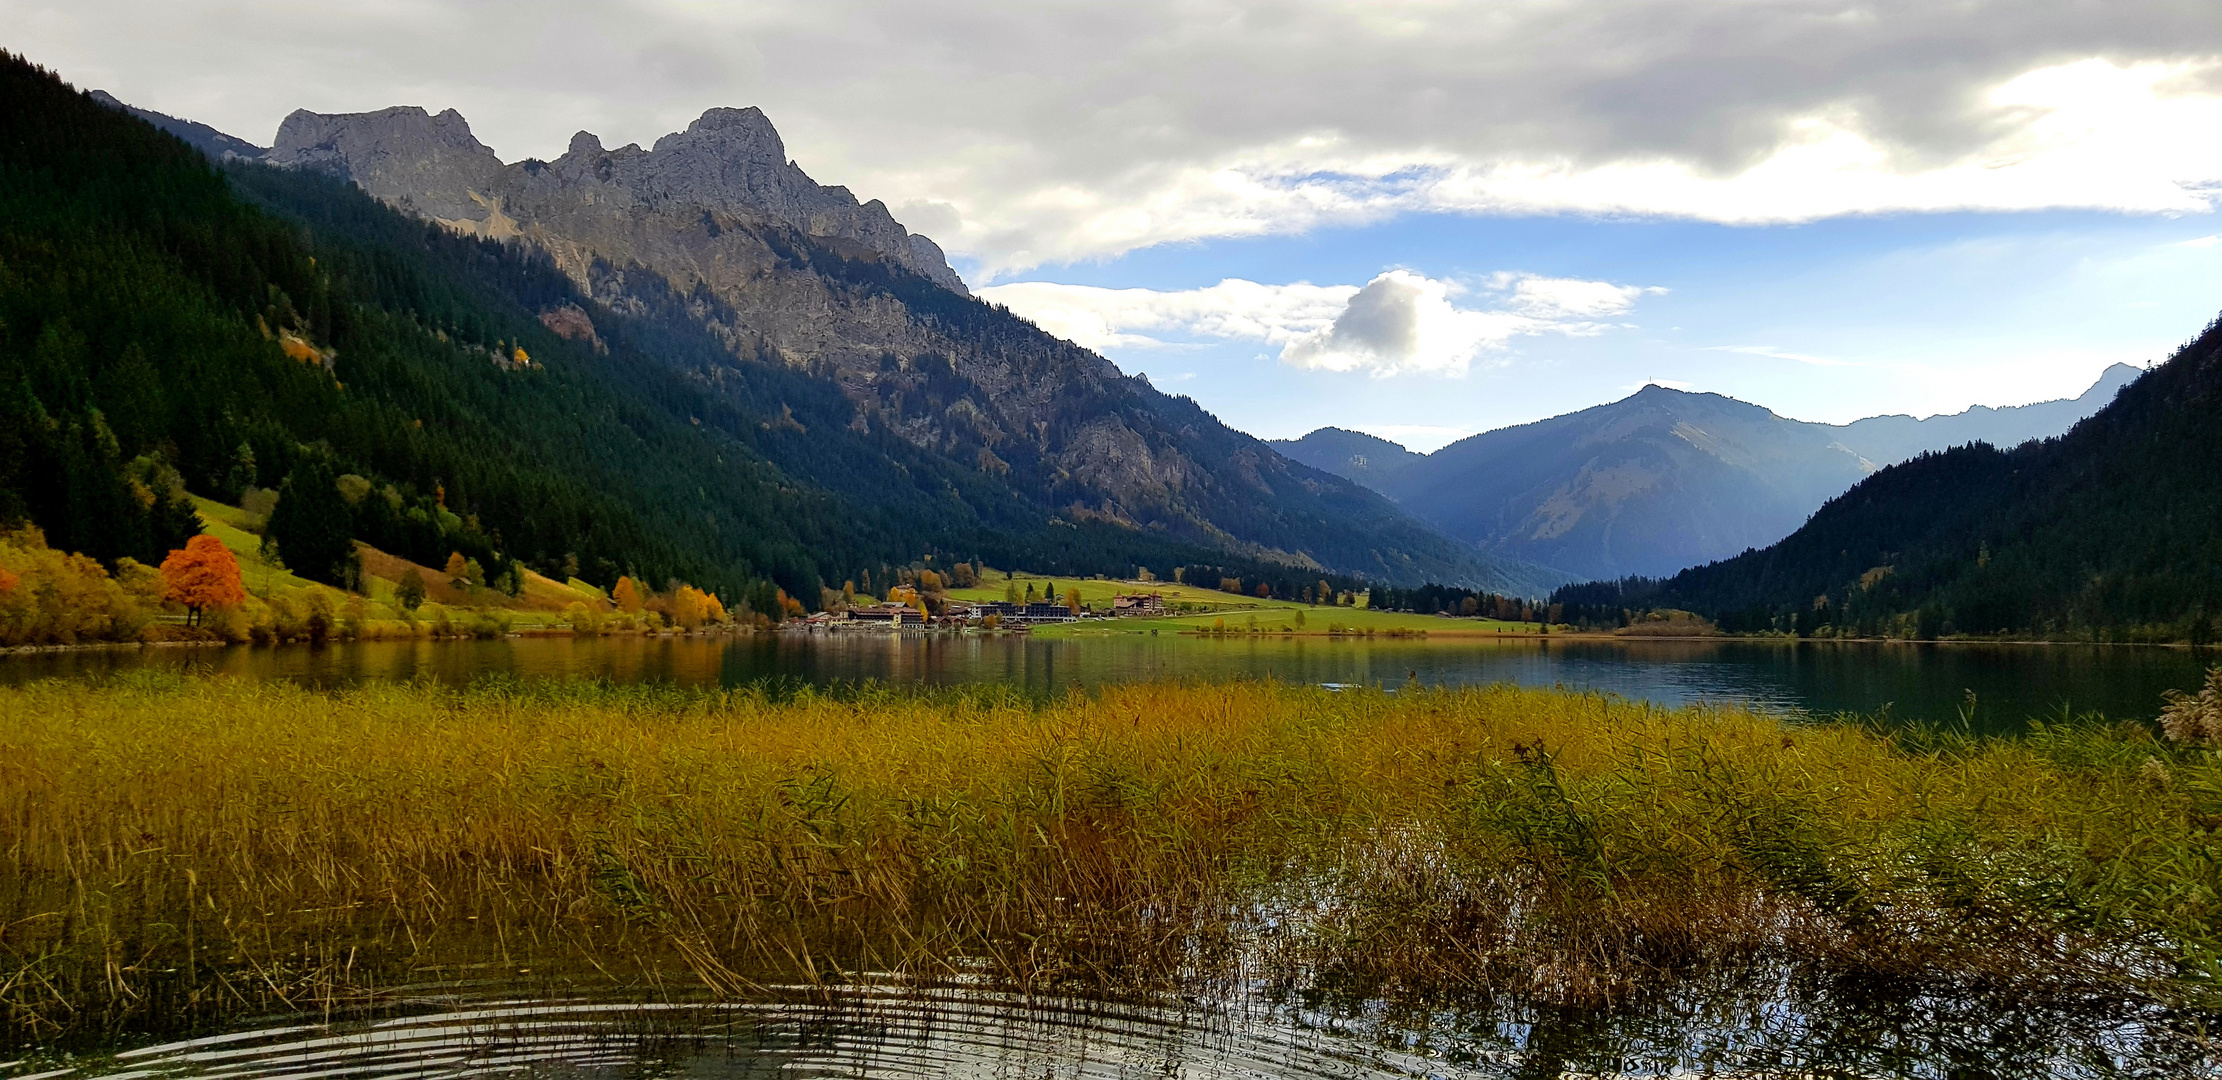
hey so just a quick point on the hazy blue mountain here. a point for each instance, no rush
(1354, 455)
(2111, 531)
(1887, 440)
(1662, 479)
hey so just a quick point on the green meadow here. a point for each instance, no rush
(1202, 610)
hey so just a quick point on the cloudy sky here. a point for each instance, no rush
(1420, 218)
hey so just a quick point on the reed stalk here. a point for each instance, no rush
(176, 851)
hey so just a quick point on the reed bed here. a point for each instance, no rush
(177, 851)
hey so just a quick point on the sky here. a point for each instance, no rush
(1417, 218)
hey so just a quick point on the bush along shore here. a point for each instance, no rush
(184, 851)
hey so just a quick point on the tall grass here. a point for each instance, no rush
(174, 851)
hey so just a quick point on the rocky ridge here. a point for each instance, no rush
(715, 225)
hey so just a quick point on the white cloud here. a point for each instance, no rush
(1102, 319)
(1782, 354)
(1048, 133)
(1562, 297)
(2201, 242)
(1400, 322)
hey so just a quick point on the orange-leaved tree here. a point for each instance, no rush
(626, 595)
(458, 569)
(201, 575)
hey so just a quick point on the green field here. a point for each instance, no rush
(1239, 614)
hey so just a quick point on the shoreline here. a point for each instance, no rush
(1409, 637)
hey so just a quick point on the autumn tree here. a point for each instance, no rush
(458, 569)
(1265, 591)
(689, 607)
(201, 575)
(626, 596)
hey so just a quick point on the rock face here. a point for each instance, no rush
(715, 225)
(728, 164)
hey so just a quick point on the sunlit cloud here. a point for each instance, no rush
(1401, 322)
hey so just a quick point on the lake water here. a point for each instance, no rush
(1928, 682)
(890, 1033)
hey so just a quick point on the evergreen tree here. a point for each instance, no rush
(311, 526)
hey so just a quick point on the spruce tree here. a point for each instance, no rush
(312, 526)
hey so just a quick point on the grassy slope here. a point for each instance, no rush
(241, 531)
(1273, 616)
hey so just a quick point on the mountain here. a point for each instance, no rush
(1660, 480)
(2112, 531)
(169, 325)
(1888, 440)
(714, 227)
(1354, 455)
(217, 145)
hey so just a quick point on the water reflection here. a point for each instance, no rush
(866, 1032)
(1931, 682)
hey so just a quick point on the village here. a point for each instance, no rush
(903, 612)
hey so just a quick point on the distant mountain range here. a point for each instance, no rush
(2112, 531)
(1662, 479)
(715, 229)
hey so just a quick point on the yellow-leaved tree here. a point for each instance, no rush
(626, 596)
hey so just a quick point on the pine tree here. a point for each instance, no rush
(312, 526)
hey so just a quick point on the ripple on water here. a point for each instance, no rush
(863, 1033)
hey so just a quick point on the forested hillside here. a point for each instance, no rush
(167, 326)
(2112, 531)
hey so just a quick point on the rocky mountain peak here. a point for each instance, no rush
(430, 165)
(728, 162)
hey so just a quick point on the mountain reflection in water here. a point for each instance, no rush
(1928, 682)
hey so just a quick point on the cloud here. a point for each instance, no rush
(1400, 322)
(1101, 319)
(2200, 242)
(1052, 133)
(1779, 354)
(1560, 297)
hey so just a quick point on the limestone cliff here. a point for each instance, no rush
(729, 163)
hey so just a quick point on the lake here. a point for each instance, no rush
(1930, 682)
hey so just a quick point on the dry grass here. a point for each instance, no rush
(174, 851)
